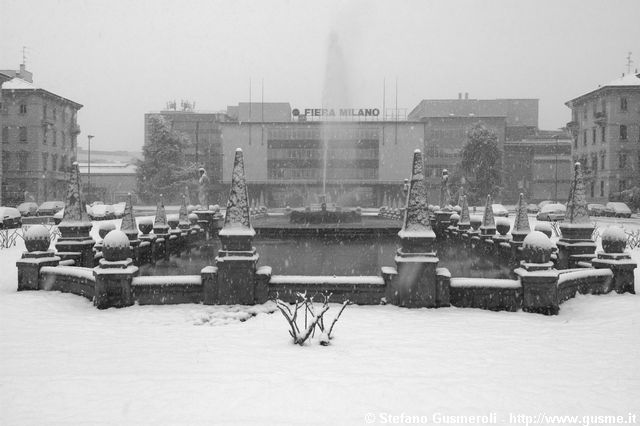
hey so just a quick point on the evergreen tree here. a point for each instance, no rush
(482, 163)
(163, 169)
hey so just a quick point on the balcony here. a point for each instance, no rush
(600, 118)
(75, 128)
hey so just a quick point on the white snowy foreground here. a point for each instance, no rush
(64, 362)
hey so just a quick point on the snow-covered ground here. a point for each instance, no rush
(64, 362)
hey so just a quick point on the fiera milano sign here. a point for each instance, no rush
(337, 112)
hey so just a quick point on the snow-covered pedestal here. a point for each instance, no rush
(415, 284)
(614, 241)
(538, 278)
(236, 260)
(37, 241)
(114, 273)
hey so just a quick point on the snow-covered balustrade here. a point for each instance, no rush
(68, 279)
(583, 281)
(486, 293)
(165, 290)
(364, 290)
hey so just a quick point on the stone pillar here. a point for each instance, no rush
(75, 225)
(236, 260)
(263, 276)
(576, 244)
(114, 273)
(538, 277)
(415, 283)
(37, 241)
(209, 277)
(521, 228)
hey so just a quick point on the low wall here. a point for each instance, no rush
(68, 279)
(486, 293)
(363, 290)
(167, 290)
(583, 281)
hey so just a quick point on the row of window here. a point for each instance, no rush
(623, 107)
(622, 185)
(320, 133)
(316, 154)
(332, 173)
(20, 161)
(594, 133)
(22, 136)
(598, 161)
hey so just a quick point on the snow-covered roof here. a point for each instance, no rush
(108, 168)
(628, 80)
(20, 84)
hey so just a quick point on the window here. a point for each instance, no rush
(55, 138)
(6, 161)
(603, 157)
(54, 162)
(584, 112)
(45, 157)
(621, 185)
(575, 142)
(23, 160)
(22, 134)
(44, 111)
(594, 162)
(23, 108)
(55, 114)
(603, 134)
(584, 138)
(63, 163)
(602, 188)
(622, 161)
(44, 135)
(63, 138)
(5, 134)
(592, 189)
(623, 104)
(593, 139)
(623, 132)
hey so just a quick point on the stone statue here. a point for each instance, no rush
(203, 184)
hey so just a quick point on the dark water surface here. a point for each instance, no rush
(329, 257)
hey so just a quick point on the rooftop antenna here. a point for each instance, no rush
(629, 62)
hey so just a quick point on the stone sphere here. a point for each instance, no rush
(193, 218)
(537, 247)
(454, 218)
(115, 246)
(105, 228)
(37, 238)
(502, 225)
(457, 209)
(190, 208)
(614, 240)
(145, 225)
(214, 208)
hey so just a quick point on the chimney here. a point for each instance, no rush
(24, 74)
(466, 95)
(459, 95)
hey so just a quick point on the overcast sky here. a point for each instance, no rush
(121, 59)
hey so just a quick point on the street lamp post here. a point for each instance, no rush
(89, 137)
(556, 197)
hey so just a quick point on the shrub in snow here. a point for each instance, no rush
(105, 228)
(502, 225)
(537, 247)
(545, 228)
(614, 240)
(300, 332)
(115, 246)
(37, 238)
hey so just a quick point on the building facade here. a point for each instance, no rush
(605, 127)
(39, 140)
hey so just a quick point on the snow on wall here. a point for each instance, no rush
(485, 282)
(167, 280)
(69, 271)
(325, 279)
(587, 273)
